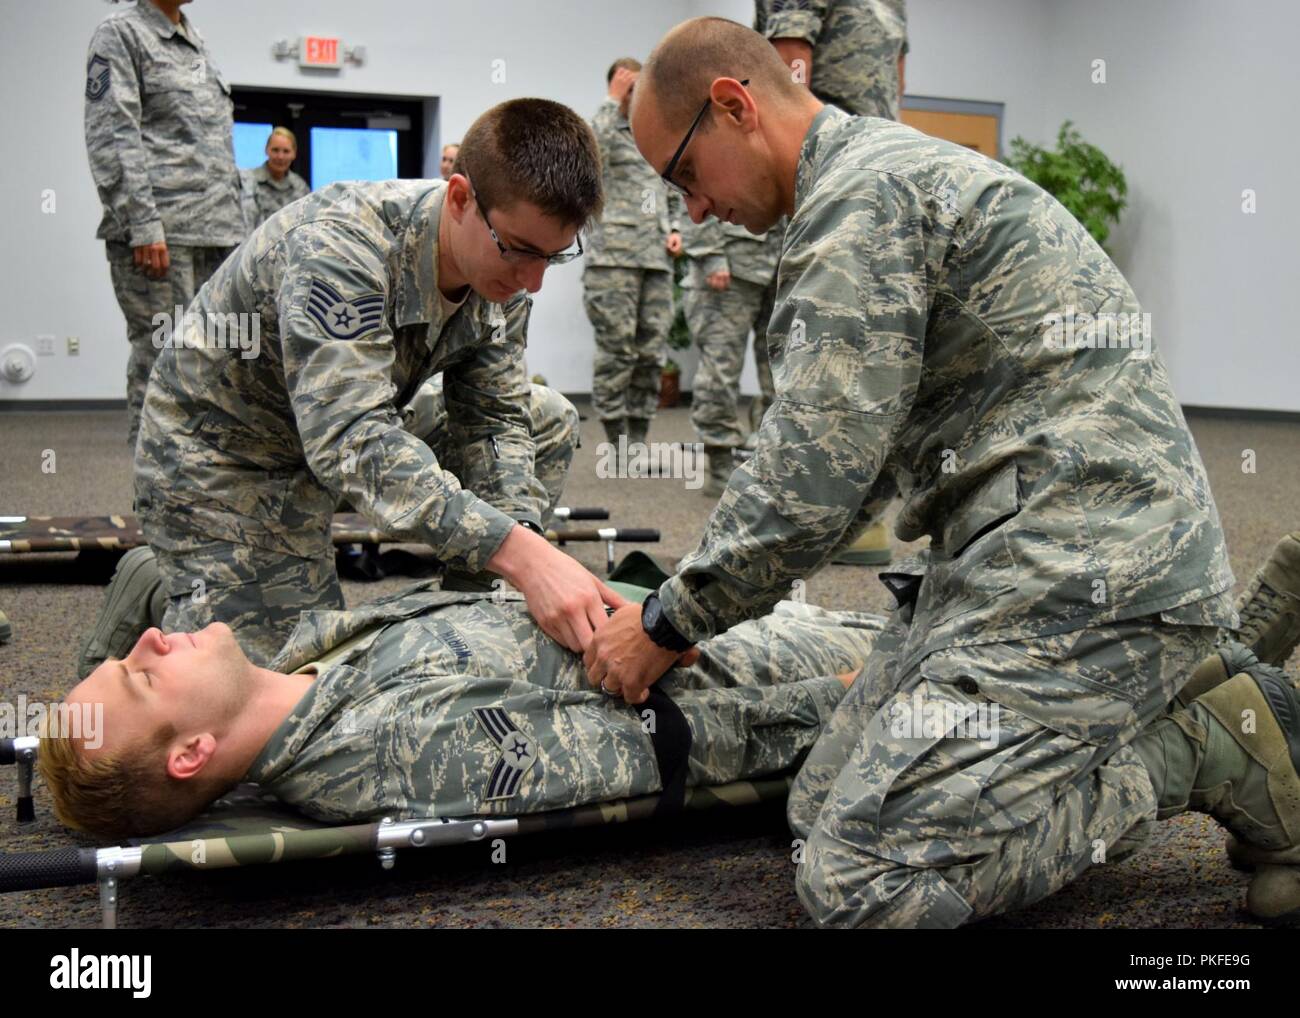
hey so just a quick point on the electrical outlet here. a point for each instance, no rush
(44, 346)
(74, 346)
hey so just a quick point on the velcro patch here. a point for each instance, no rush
(518, 752)
(97, 78)
(344, 319)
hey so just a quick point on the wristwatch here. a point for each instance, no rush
(530, 525)
(658, 628)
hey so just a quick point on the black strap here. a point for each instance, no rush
(671, 737)
(905, 587)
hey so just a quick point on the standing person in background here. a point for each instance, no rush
(850, 53)
(158, 136)
(628, 279)
(273, 185)
(728, 290)
(449, 154)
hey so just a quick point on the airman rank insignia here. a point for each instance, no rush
(97, 76)
(518, 752)
(344, 319)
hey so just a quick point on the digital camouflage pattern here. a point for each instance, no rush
(640, 211)
(159, 139)
(1059, 487)
(261, 195)
(627, 275)
(241, 457)
(261, 593)
(631, 312)
(159, 123)
(439, 703)
(720, 321)
(141, 298)
(933, 824)
(855, 48)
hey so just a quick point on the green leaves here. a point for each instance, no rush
(1078, 175)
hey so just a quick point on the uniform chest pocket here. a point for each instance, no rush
(167, 78)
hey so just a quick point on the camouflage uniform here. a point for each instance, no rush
(261, 195)
(627, 279)
(242, 459)
(437, 703)
(1071, 526)
(159, 139)
(720, 322)
(855, 48)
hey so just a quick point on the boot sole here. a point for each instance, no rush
(121, 584)
(1283, 701)
(864, 558)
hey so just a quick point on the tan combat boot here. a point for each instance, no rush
(1270, 607)
(870, 549)
(1235, 754)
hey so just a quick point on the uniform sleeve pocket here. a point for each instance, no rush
(990, 505)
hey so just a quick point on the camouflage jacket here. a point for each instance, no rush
(159, 133)
(450, 704)
(714, 246)
(262, 195)
(914, 350)
(855, 48)
(342, 290)
(640, 210)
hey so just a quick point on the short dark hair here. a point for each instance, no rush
(537, 151)
(630, 63)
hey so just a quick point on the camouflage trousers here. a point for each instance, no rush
(984, 778)
(632, 313)
(260, 593)
(140, 298)
(720, 322)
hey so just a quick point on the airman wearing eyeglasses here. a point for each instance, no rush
(282, 392)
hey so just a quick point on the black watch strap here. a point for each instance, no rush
(658, 628)
(534, 527)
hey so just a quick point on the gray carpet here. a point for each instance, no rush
(724, 871)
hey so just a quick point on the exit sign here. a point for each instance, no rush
(320, 51)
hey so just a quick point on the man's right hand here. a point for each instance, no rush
(153, 259)
(621, 84)
(719, 280)
(567, 601)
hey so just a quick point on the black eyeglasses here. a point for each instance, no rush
(518, 255)
(672, 163)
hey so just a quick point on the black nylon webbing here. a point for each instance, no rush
(671, 737)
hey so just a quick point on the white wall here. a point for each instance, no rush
(1198, 105)
(53, 272)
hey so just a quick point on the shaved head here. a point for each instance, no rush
(697, 52)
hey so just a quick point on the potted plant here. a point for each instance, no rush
(1078, 175)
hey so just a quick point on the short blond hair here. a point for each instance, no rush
(128, 794)
(283, 132)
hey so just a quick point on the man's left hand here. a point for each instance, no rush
(674, 244)
(625, 659)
